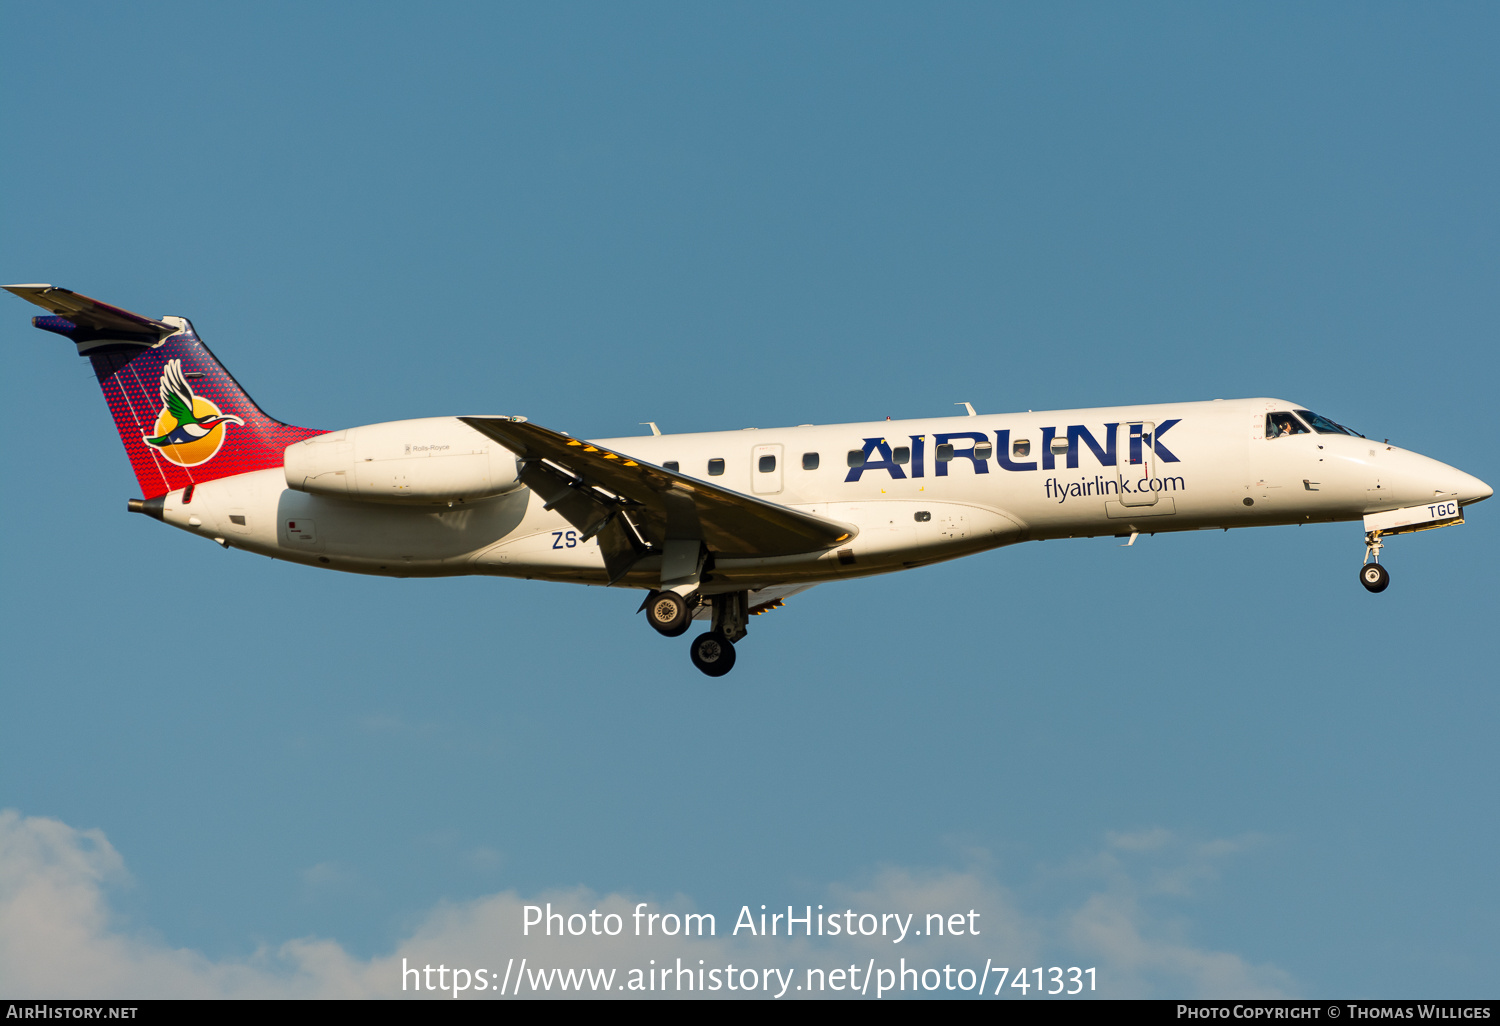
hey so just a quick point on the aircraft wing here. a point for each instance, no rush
(591, 486)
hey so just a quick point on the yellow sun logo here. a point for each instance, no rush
(189, 429)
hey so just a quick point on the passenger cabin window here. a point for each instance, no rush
(671, 465)
(1280, 425)
(767, 464)
(856, 457)
(1021, 447)
(983, 451)
(1324, 426)
(921, 516)
(944, 453)
(715, 468)
(901, 454)
(809, 461)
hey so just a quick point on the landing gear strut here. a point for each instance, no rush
(713, 653)
(1372, 575)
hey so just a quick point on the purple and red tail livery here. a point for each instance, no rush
(183, 418)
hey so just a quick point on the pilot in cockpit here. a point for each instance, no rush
(1280, 425)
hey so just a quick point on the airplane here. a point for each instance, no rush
(719, 526)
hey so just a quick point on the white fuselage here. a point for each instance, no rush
(1079, 473)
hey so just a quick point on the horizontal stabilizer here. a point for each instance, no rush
(660, 503)
(89, 322)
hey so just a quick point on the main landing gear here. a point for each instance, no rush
(1372, 575)
(713, 653)
(668, 613)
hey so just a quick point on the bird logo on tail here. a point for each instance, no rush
(189, 429)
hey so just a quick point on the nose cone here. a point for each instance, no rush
(1472, 490)
(1407, 478)
(1450, 482)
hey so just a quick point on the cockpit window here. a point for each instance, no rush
(1324, 426)
(1279, 425)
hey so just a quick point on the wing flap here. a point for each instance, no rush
(662, 504)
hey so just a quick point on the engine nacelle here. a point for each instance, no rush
(433, 460)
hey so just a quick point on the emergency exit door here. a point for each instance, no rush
(765, 469)
(1136, 464)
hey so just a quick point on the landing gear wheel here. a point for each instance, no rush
(712, 653)
(668, 613)
(1374, 577)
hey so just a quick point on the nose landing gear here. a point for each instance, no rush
(1372, 575)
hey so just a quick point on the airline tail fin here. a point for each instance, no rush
(182, 416)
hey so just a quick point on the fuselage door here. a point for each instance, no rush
(1136, 463)
(1258, 466)
(765, 469)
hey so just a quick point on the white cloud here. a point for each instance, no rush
(1109, 928)
(57, 939)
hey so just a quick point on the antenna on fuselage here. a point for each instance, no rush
(969, 407)
(652, 425)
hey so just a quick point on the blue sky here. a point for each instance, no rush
(1255, 775)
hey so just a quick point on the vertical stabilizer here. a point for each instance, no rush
(184, 419)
